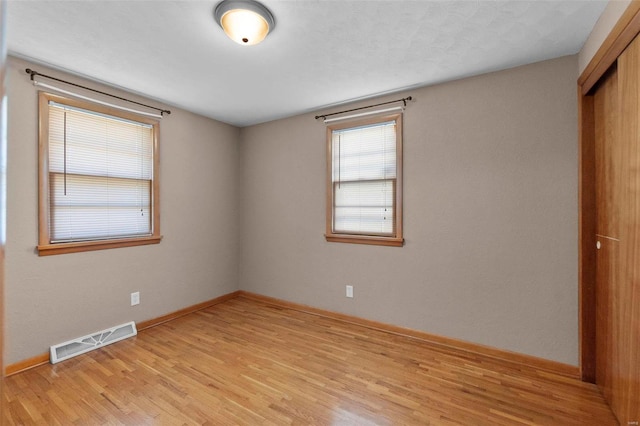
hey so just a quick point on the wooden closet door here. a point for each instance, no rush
(617, 175)
(608, 376)
(629, 278)
(608, 159)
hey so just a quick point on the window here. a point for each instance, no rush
(364, 182)
(98, 177)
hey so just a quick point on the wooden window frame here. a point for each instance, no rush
(394, 241)
(45, 246)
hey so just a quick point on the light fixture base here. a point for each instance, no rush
(235, 26)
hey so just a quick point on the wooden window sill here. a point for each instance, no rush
(365, 239)
(62, 248)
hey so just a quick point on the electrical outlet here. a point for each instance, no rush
(135, 298)
(349, 291)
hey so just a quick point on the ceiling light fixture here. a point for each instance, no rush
(246, 22)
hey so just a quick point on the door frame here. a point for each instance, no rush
(3, 177)
(622, 34)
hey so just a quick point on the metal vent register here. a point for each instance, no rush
(92, 341)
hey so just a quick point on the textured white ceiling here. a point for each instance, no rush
(321, 52)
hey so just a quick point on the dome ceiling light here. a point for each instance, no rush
(246, 22)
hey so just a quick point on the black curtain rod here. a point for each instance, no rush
(403, 100)
(33, 73)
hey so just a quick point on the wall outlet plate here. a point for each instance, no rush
(135, 298)
(349, 291)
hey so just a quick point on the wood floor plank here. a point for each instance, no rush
(247, 362)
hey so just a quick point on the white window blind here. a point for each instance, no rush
(364, 173)
(100, 176)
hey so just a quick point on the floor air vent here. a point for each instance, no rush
(92, 341)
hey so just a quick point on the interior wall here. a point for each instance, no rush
(55, 298)
(490, 222)
(3, 179)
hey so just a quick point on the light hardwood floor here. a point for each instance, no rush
(246, 362)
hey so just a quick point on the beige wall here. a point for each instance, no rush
(490, 216)
(56, 298)
(490, 222)
(602, 28)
